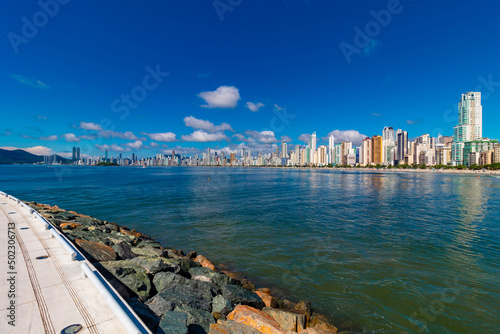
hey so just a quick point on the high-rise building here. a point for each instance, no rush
(322, 155)
(377, 150)
(388, 143)
(474, 148)
(486, 158)
(78, 157)
(233, 159)
(366, 152)
(470, 124)
(331, 150)
(496, 154)
(74, 154)
(443, 155)
(388, 136)
(312, 147)
(284, 150)
(402, 146)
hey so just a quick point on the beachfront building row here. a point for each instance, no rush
(394, 147)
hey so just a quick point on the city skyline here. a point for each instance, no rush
(467, 148)
(190, 77)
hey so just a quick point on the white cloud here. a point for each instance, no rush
(277, 107)
(265, 137)
(181, 150)
(117, 148)
(286, 139)
(102, 147)
(304, 137)
(223, 97)
(88, 137)
(153, 144)
(344, 136)
(163, 137)
(128, 135)
(49, 138)
(30, 82)
(375, 114)
(203, 137)
(412, 122)
(255, 148)
(195, 123)
(90, 126)
(240, 137)
(136, 145)
(255, 106)
(70, 137)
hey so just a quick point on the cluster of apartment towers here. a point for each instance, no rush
(467, 146)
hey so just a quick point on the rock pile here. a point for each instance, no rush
(176, 293)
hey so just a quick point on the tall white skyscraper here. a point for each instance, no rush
(312, 147)
(470, 124)
(284, 149)
(331, 150)
(388, 136)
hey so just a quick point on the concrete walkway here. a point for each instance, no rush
(47, 294)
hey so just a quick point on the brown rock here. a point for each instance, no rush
(232, 327)
(319, 321)
(287, 304)
(248, 285)
(316, 330)
(265, 290)
(97, 251)
(218, 316)
(70, 226)
(254, 318)
(287, 320)
(205, 262)
(304, 307)
(269, 300)
(130, 233)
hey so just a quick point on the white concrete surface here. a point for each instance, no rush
(50, 293)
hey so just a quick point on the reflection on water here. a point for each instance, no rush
(382, 252)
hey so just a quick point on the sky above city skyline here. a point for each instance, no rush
(158, 76)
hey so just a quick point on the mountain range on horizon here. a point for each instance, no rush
(8, 157)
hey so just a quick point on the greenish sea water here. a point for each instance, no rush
(377, 253)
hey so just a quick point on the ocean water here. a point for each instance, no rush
(377, 253)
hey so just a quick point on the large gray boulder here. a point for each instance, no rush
(238, 295)
(205, 290)
(124, 250)
(198, 321)
(221, 305)
(147, 251)
(208, 275)
(154, 265)
(130, 274)
(177, 295)
(173, 323)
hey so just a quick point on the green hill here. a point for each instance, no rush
(22, 157)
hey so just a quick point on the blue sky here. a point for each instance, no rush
(190, 69)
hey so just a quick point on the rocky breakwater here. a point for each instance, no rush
(178, 293)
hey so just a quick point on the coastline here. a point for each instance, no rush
(174, 292)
